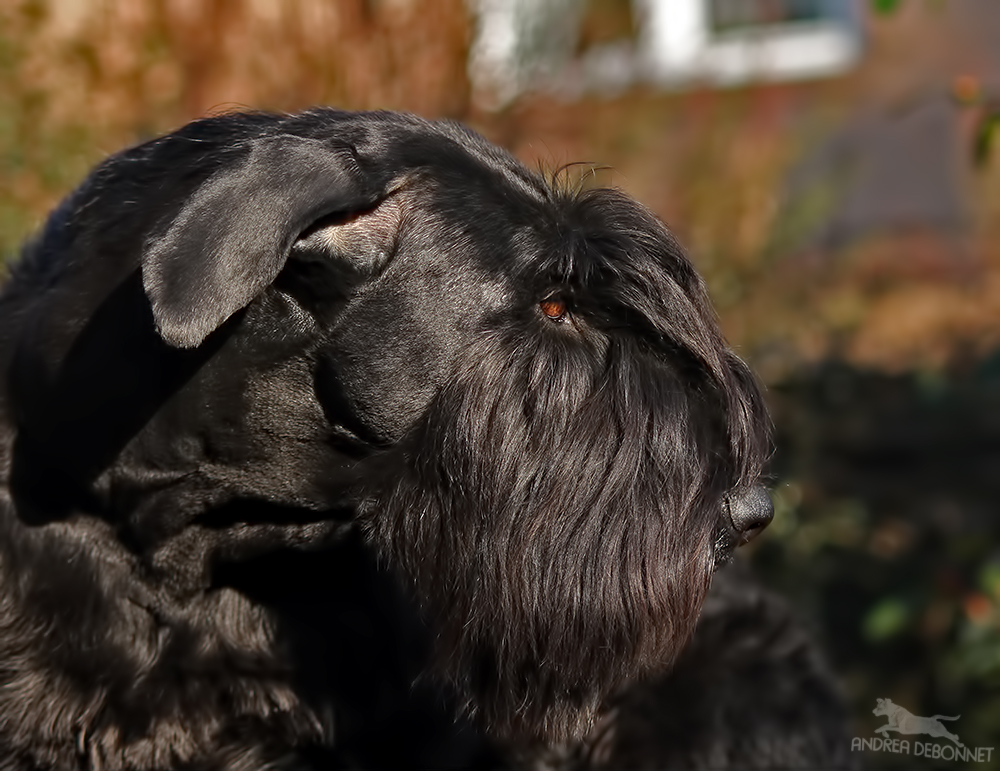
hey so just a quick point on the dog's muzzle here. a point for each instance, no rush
(750, 511)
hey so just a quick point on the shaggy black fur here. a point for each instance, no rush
(248, 363)
(750, 691)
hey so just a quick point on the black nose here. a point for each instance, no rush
(751, 510)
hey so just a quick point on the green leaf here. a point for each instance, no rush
(985, 134)
(886, 619)
(989, 579)
(885, 6)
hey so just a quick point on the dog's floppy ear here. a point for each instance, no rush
(233, 235)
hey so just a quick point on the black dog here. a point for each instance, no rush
(248, 363)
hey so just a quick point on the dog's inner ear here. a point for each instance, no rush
(337, 254)
(361, 241)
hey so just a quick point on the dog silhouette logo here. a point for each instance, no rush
(904, 722)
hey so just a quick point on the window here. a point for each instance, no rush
(733, 41)
(725, 15)
(573, 45)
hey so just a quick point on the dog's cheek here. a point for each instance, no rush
(377, 411)
(378, 377)
(391, 352)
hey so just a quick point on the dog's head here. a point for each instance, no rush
(519, 391)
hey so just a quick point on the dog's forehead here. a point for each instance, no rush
(480, 188)
(445, 149)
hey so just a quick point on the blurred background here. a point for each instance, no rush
(829, 164)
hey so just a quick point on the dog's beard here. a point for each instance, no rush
(556, 513)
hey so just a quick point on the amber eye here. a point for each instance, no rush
(553, 308)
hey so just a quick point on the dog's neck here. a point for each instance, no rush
(82, 620)
(232, 632)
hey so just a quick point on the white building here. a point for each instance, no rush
(526, 45)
